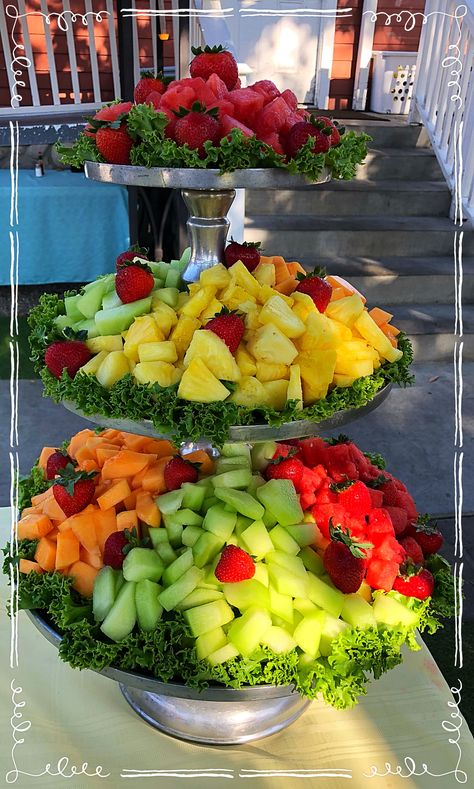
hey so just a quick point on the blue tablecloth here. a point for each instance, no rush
(70, 229)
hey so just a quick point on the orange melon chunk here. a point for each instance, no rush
(79, 440)
(33, 527)
(41, 497)
(131, 501)
(281, 270)
(338, 293)
(127, 519)
(125, 463)
(32, 511)
(105, 523)
(84, 453)
(67, 549)
(387, 328)
(380, 316)
(112, 435)
(154, 479)
(114, 495)
(84, 577)
(94, 558)
(295, 268)
(134, 442)
(27, 566)
(138, 478)
(52, 509)
(147, 511)
(159, 447)
(88, 465)
(45, 554)
(104, 453)
(45, 454)
(83, 527)
(201, 456)
(287, 286)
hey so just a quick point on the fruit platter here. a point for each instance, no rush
(256, 344)
(207, 135)
(257, 580)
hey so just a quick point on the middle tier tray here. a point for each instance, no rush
(246, 433)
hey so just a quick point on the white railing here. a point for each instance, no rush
(444, 92)
(16, 42)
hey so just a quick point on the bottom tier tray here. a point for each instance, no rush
(250, 433)
(215, 716)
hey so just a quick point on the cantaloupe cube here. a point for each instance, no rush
(105, 453)
(33, 527)
(45, 554)
(147, 510)
(126, 463)
(83, 526)
(134, 442)
(67, 549)
(84, 577)
(39, 498)
(130, 502)
(78, 441)
(27, 566)
(159, 447)
(105, 522)
(45, 454)
(52, 509)
(127, 519)
(154, 479)
(116, 494)
(94, 558)
(380, 316)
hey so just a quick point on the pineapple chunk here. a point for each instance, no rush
(144, 329)
(356, 349)
(265, 274)
(276, 311)
(211, 310)
(131, 365)
(214, 353)
(91, 367)
(245, 279)
(266, 292)
(199, 385)
(375, 336)
(276, 393)
(269, 344)
(346, 310)
(251, 312)
(239, 295)
(113, 368)
(108, 342)
(356, 368)
(245, 361)
(342, 332)
(343, 380)
(320, 334)
(295, 391)
(267, 371)
(303, 306)
(160, 373)
(164, 315)
(249, 392)
(317, 371)
(198, 301)
(183, 298)
(216, 276)
(183, 332)
(158, 352)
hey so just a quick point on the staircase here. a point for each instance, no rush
(388, 232)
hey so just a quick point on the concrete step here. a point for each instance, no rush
(431, 330)
(311, 238)
(392, 281)
(387, 133)
(400, 164)
(341, 198)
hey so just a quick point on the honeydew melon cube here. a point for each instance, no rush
(257, 539)
(168, 296)
(173, 278)
(278, 639)
(91, 300)
(332, 628)
(142, 563)
(166, 552)
(283, 541)
(104, 593)
(159, 268)
(170, 502)
(307, 633)
(157, 536)
(261, 453)
(63, 321)
(261, 573)
(209, 501)
(206, 548)
(185, 517)
(91, 367)
(357, 611)
(287, 583)
(111, 299)
(120, 620)
(149, 608)
(199, 597)
(269, 520)
(194, 496)
(72, 310)
(244, 594)
(256, 482)
(278, 496)
(220, 522)
(228, 652)
(191, 535)
(236, 461)
(389, 611)
(281, 604)
(239, 449)
(325, 596)
(304, 533)
(242, 524)
(246, 631)
(291, 563)
(210, 642)
(204, 618)
(174, 531)
(311, 560)
(181, 588)
(118, 319)
(238, 478)
(304, 606)
(177, 568)
(243, 502)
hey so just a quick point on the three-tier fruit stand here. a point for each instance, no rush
(217, 715)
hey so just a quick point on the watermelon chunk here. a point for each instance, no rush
(290, 99)
(379, 525)
(274, 141)
(381, 575)
(224, 106)
(247, 103)
(274, 116)
(218, 86)
(314, 451)
(322, 513)
(376, 497)
(267, 88)
(179, 96)
(228, 123)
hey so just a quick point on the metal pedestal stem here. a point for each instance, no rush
(207, 226)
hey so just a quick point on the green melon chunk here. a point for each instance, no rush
(256, 482)
(173, 278)
(219, 522)
(311, 560)
(279, 497)
(209, 616)
(120, 620)
(287, 583)
(72, 310)
(278, 639)
(325, 596)
(184, 517)
(110, 300)
(118, 319)
(206, 548)
(170, 502)
(90, 301)
(228, 652)
(245, 594)
(174, 531)
(291, 563)
(149, 608)
(63, 322)
(261, 573)
(357, 611)
(281, 605)
(199, 597)
(105, 591)
(332, 628)
(142, 563)
(209, 502)
(238, 478)
(157, 535)
(262, 453)
(210, 642)
(193, 496)
(191, 535)
(181, 588)
(304, 533)
(257, 539)
(237, 450)
(389, 611)
(304, 606)
(241, 524)
(247, 630)
(242, 502)
(177, 568)
(283, 541)
(168, 296)
(166, 552)
(307, 633)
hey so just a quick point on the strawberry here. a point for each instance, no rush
(133, 281)
(248, 252)
(285, 468)
(399, 519)
(405, 501)
(229, 326)
(114, 144)
(73, 490)
(57, 461)
(234, 565)
(196, 126)
(345, 560)
(354, 497)
(336, 130)
(134, 252)
(419, 584)
(301, 132)
(315, 286)
(148, 83)
(427, 534)
(214, 60)
(412, 549)
(179, 470)
(67, 355)
(113, 549)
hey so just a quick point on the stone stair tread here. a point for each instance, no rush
(392, 266)
(424, 319)
(386, 185)
(354, 223)
(407, 153)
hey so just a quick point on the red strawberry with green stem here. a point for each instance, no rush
(67, 355)
(354, 497)
(412, 550)
(229, 326)
(425, 531)
(134, 251)
(345, 560)
(148, 83)
(73, 490)
(336, 130)
(133, 281)
(196, 126)
(179, 470)
(214, 60)
(57, 461)
(248, 252)
(316, 287)
(114, 143)
(301, 132)
(419, 584)
(234, 565)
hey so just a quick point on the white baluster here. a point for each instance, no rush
(71, 49)
(113, 49)
(53, 77)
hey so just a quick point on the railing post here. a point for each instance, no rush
(364, 54)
